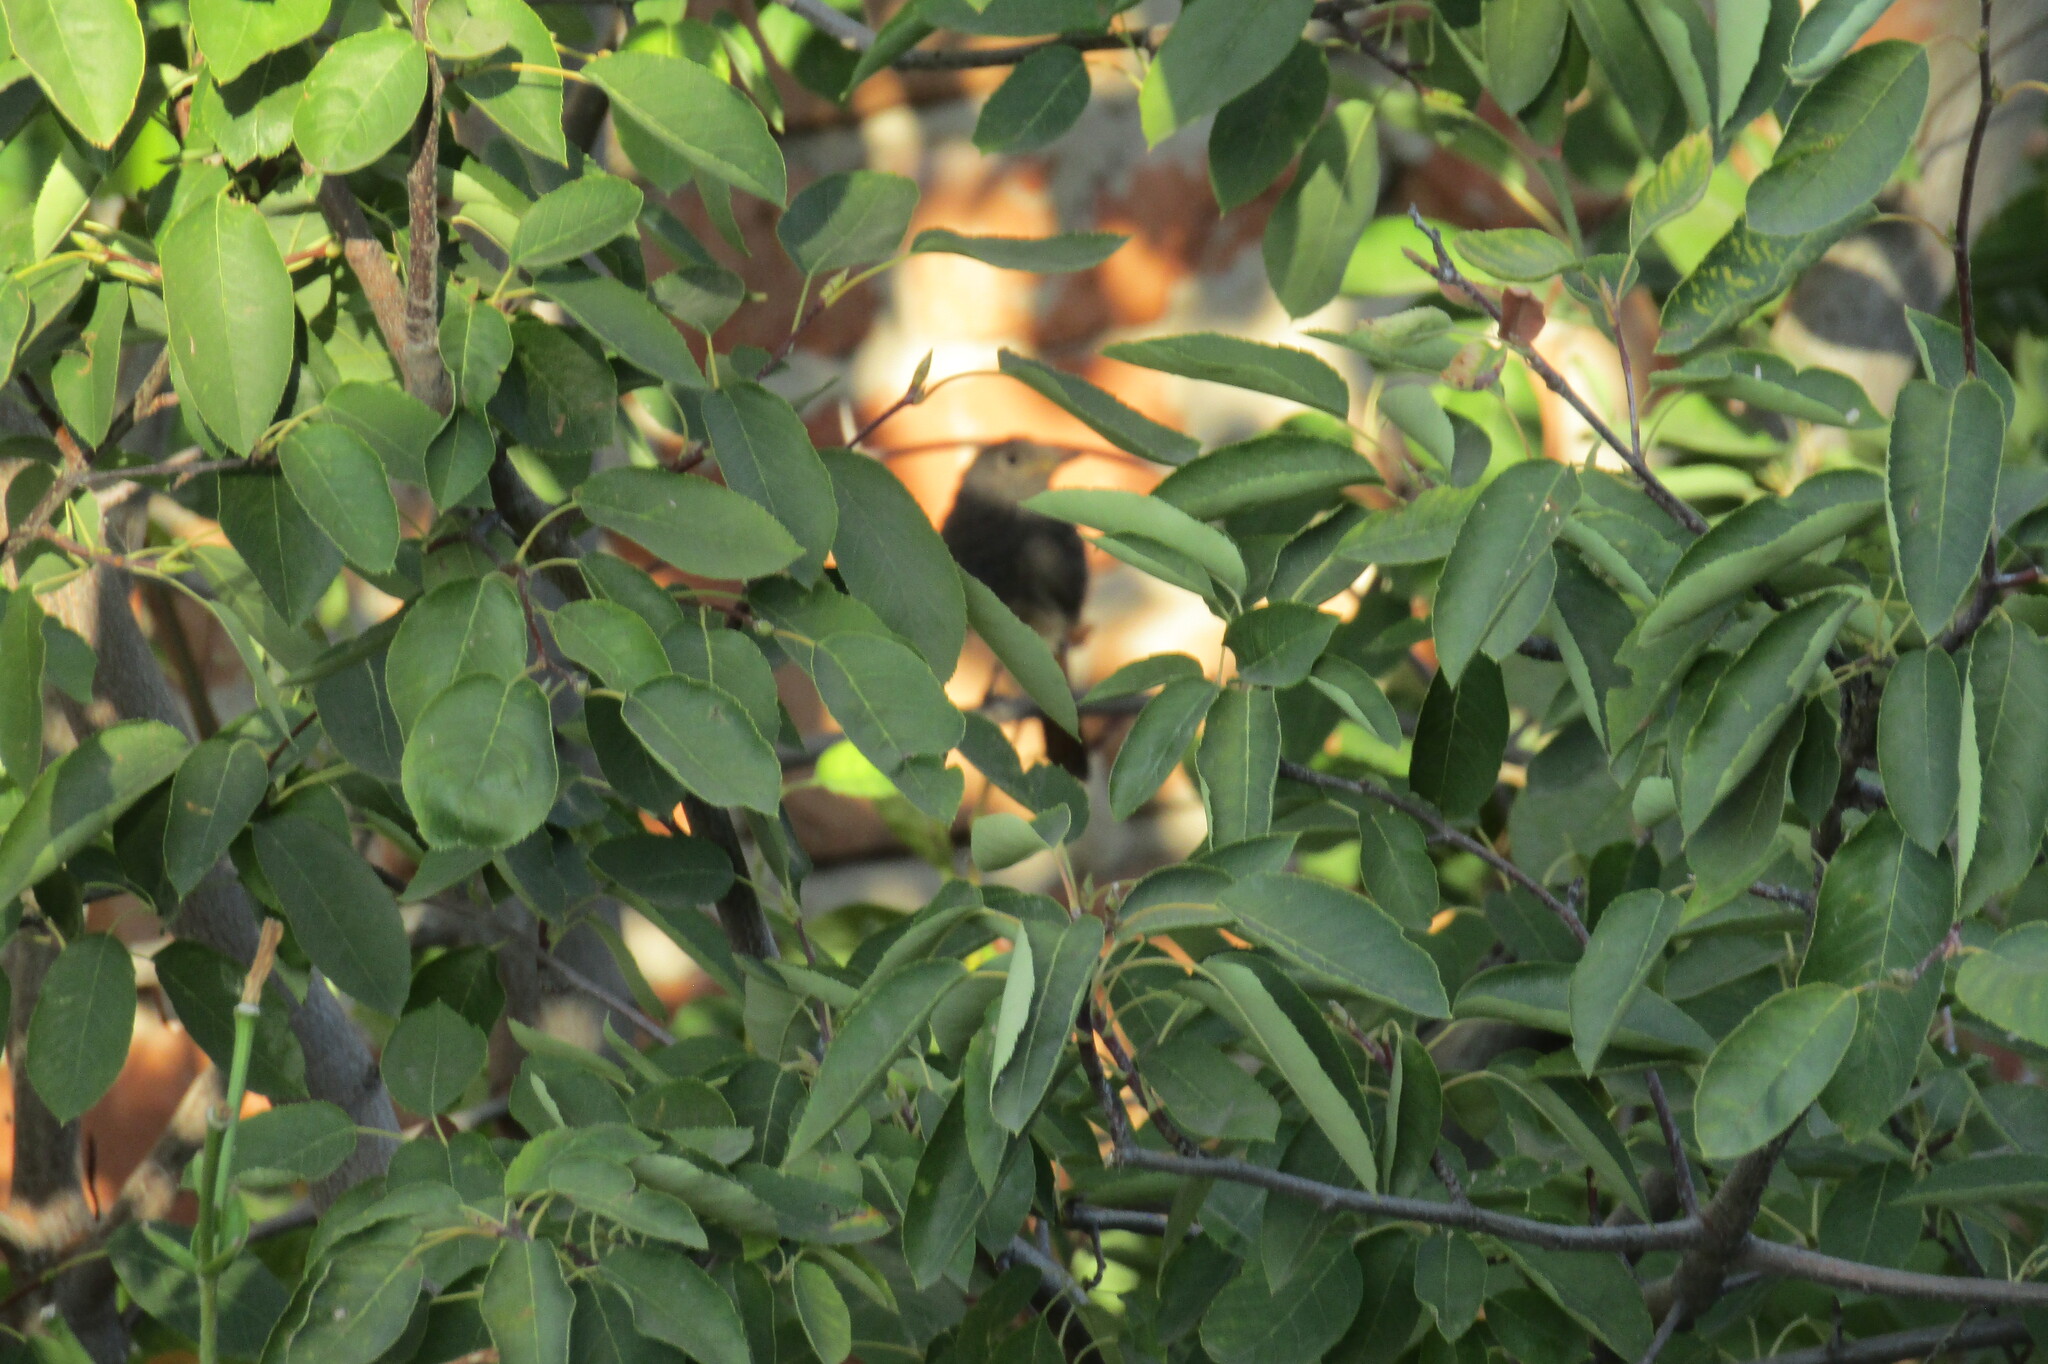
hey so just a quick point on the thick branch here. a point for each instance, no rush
(1926, 1343)
(420, 362)
(1772, 1257)
(860, 37)
(1727, 1221)
(367, 260)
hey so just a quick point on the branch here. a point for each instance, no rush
(858, 36)
(1636, 1239)
(426, 378)
(366, 260)
(1925, 1343)
(1986, 102)
(1727, 1221)
(1773, 1257)
(1448, 275)
(1443, 831)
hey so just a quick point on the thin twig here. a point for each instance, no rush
(1447, 274)
(1773, 1257)
(1664, 1333)
(1986, 101)
(1925, 1343)
(1444, 831)
(1674, 1141)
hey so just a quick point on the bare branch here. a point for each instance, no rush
(426, 378)
(1927, 1342)
(1772, 1257)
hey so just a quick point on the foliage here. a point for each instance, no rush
(1462, 963)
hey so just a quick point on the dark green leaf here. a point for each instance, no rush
(527, 104)
(83, 379)
(1941, 491)
(1450, 1280)
(78, 798)
(678, 1303)
(1060, 254)
(479, 768)
(1116, 422)
(1260, 472)
(527, 1304)
(1507, 534)
(1249, 1323)
(2006, 982)
(705, 739)
(581, 216)
(1256, 135)
(622, 318)
(84, 1016)
(891, 1012)
(228, 301)
(690, 522)
(430, 1059)
(1157, 742)
(1537, 993)
(1211, 54)
(340, 913)
(1238, 762)
(1845, 139)
(341, 484)
(1062, 958)
(1279, 370)
(1041, 98)
(766, 455)
(1309, 239)
(891, 558)
(289, 555)
(476, 345)
(1775, 1063)
(1919, 744)
(1208, 1094)
(21, 688)
(1627, 942)
(472, 625)
(2007, 691)
(1278, 643)
(693, 113)
(1459, 740)
(1339, 937)
(293, 1142)
(558, 397)
(219, 785)
(204, 987)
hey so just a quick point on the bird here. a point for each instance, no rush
(1035, 565)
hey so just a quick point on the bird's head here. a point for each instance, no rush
(1013, 470)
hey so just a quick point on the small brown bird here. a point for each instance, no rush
(1034, 564)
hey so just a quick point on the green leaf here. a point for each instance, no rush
(1238, 762)
(1941, 493)
(1776, 1062)
(1251, 1323)
(1520, 42)
(693, 523)
(1754, 698)
(78, 798)
(340, 913)
(1523, 255)
(21, 688)
(228, 301)
(1309, 239)
(1259, 472)
(581, 216)
(479, 769)
(398, 426)
(1353, 691)
(218, 786)
(289, 555)
(765, 454)
(1743, 271)
(1507, 534)
(83, 379)
(1157, 742)
(1266, 1023)
(357, 1306)
(527, 1303)
(676, 1302)
(1394, 867)
(1627, 942)
(1039, 100)
(1761, 378)
(890, 558)
(1885, 905)
(1919, 744)
(1940, 344)
(609, 641)
(251, 1298)
(1596, 1291)
(1256, 135)
(1677, 185)
(471, 625)
(235, 34)
(526, 104)
(87, 56)
(1022, 651)
(1976, 1181)
(1211, 54)
(204, 987)
(1845, 139)
(828, 1326)
(673, 873)
(1063, 253)
(1115, 512)
(696, 115)
(363, 96)
(2006, 983)
(84, 1016)
(559, 397)
(341, 484)
(705, 739)
(885, 698)
(1460, 738)
(1341, 938)
(623, 319)
(1749, 545)
(1828, 31)
(1064, 958)
(476, 345)
(431, 1057)
(2007, 680)
(946, 1197)
(1537, 994)
(1276, 644)
(1281, 371)
(846, 220)
(1450, 1280)
(1208, 1094)
(890, 1014)
(1615, 34)
(1116, 422)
